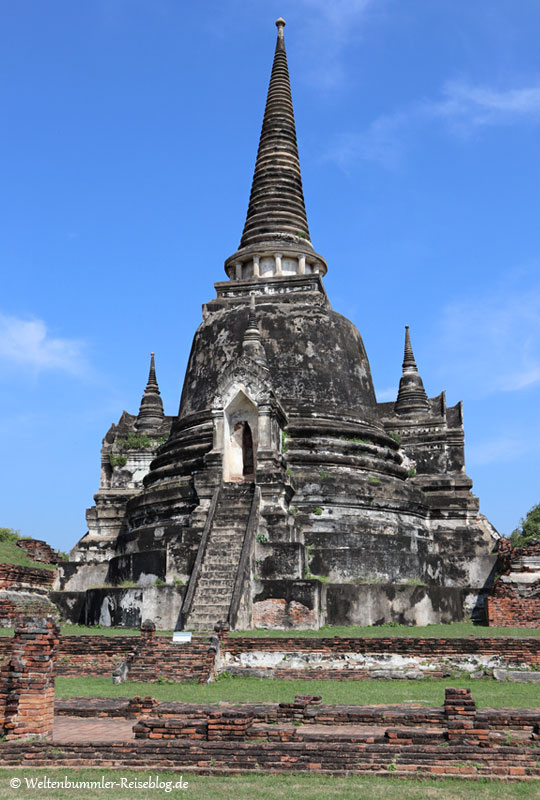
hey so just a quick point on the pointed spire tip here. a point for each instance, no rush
(280, 23)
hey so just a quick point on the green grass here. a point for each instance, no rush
(10, 553)
(454, 630)
(486, 691)
(266, 787)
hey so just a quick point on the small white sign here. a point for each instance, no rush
(181, 636)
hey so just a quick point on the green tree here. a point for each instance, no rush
(528, 528)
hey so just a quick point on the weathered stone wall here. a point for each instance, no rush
(27, 680)
(118, 606)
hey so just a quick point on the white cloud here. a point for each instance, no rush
(491, 343)
(462, 109)
(28, 343)
(475, 106)
(466, 107)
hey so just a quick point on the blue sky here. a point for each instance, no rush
(128, 142)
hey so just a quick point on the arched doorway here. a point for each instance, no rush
(240, 434)
(247, 452)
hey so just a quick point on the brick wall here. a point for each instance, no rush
(393, 758)
(27, 680)
(23, 592)
(147, 657)
(158, 658)
(14, 576)
(93, 656)
(506, 608)
(152, 657)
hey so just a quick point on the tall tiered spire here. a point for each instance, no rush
(151, 413)
(276, 224)
(412, 396)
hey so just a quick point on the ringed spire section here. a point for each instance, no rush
(276, 239)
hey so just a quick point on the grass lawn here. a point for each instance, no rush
(264, 787)
(486, 691)
(454, 630)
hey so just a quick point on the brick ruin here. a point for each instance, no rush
(150, 657)
(305, 735)
(27, 674)
(514, 600)
(282, 494)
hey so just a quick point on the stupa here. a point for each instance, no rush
(282, 494)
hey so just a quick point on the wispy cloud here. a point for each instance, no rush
(498, 450)
(462, 108)
(491, 342)
(28, 343)
(466, 107)
(331, 25)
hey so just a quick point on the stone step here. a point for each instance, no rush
(219, 567)
(217, 559)
(209, 590)
(219, 595)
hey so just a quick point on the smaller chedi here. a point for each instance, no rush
(282, 494)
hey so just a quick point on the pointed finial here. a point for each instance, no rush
(151, 413)
(412, 396)
(409, 363)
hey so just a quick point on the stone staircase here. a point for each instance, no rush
(214, 590)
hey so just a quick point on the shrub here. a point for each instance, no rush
(528, 528)
(9, 535)
(117, 460)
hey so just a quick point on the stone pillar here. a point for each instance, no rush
(301, 265)
(29, 679)
(256, 267)
(238, 268)
(277, 258)
(148, 633)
